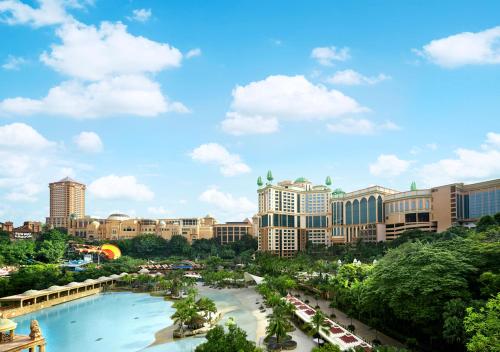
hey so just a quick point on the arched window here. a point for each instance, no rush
(348, 213)
(380, 209)
(364, 211)
(355, 212)
(372, 210)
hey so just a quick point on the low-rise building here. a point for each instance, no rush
(7, 226)
(29, 230)
(121, 226)
(233, 231)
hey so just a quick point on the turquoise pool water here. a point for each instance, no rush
(120, 321)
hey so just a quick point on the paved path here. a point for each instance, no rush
(362, 330)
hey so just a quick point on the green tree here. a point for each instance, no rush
(147, 245)
(483, 327)
(234, 340)
(179, 246)
(327, 348)
(485, 222)
(206, 305)
(318, 324)
(453, 315)
(51, 251)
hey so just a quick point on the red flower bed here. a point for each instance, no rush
(310, 312)
(336, 330)
(348, 338)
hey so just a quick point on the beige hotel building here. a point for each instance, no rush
(292, 213)
(371, 214)
(67, 200)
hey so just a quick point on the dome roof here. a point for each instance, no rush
(30, 293)
(162, 223)
(144, 271)
(114, 276)
(119, 217)
(7, 324)
(301, 180)
(55, 288)
(89, 281)
(73, 284)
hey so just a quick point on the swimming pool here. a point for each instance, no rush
(121, 321)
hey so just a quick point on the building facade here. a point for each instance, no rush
(359, 215)
(121, 226)
(291, 214)
(29, 230)
(233, 231)
(67, 200)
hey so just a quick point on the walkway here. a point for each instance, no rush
(362, 330)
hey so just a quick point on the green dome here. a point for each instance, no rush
(301, 180)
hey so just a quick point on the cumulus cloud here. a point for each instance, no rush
(468, 165)
(467, 48)
(229, 205)
(110, 73)
(389, 165)
(122, 95)
(284, 98)
(213, 153)
(354, 78)
(327, 55)
(49, 12)
(237, 124)
(193, 53)
(29, 162)
(21, 135)
(88, 142)
(140, 15)
(360, 127)
(13, 63)
(94, 53)
(120, 188)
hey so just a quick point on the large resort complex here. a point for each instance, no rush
(293, 214)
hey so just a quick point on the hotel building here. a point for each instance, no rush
(67, 200)
(292, 214)
(287, 221)
(233, 231)
(121, 226)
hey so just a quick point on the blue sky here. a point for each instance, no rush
(173, 108)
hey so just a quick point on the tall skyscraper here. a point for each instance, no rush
(291, 214)
(67, 200)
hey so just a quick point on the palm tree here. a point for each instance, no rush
(185, 311)
(278, 326)
(207, 306)
(128, 279)
(318, 323)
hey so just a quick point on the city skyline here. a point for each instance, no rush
(364, 99)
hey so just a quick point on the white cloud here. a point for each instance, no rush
(21, 135)
(159, 211)
(24, 193)
(326, 55)
(50, 12)
(122, 95)
(94, 53)
(492, 140)
(234, 207)
(213, 153)
(467, 48)
(388, 165)
(467, 166)
(13, 62)
(353, 78)
(237, 124)
(259, 106)
(140, 15)
(360, 127)
(120, 187)
(193, 53)
(88, 142)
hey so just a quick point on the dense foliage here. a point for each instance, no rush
(428, 290)
(234, 339)
(155, 247)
